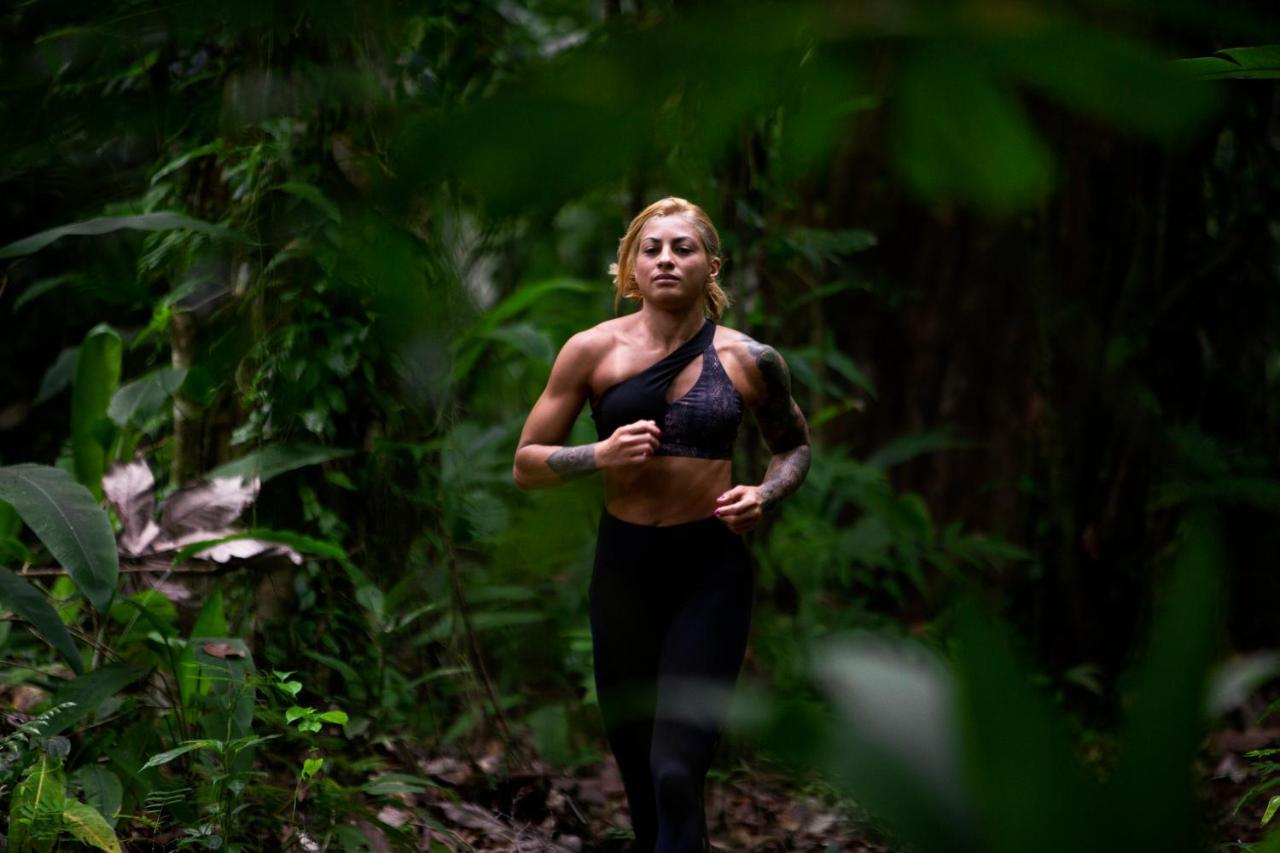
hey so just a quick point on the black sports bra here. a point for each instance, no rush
(702, 423)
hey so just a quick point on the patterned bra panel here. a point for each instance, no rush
(703, 423)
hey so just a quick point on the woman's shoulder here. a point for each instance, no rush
(741, 347)
(750, 362)
(597, 340)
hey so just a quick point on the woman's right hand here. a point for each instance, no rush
(631, 444)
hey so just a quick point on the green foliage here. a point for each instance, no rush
(19, 748)
(29, 603)
(972, 756)
(40, 812)
(69, 522)
(105, 225)
(94, 384)
(330, 275)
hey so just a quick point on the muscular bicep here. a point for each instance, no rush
(558, 406)
(781, 422)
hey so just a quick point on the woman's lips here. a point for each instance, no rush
(670, 278)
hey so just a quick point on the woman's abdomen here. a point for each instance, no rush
(667, 489)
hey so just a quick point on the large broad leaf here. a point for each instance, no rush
(69, 522)
(85, 824)
(89, 691)
(101, 788)
(276, 459)
(144, 398)
(36, 807)
(107, 224)
(30, 604)
(96, 377)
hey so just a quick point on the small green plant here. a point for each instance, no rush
(19, 748)
(41, 812)
(1264, 765)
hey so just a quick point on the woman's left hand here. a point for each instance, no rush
(741, 508)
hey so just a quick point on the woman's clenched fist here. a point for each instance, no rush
(630, 444)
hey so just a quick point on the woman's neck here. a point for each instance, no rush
(669, 330)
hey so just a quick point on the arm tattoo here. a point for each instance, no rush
(782, 424)
(573, 462)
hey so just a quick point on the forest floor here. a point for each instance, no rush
(485, 808)
(488, 808)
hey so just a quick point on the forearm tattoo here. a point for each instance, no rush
(573, 462)
(786, 473)
(782, 424)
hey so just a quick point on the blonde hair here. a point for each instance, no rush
(625, 286)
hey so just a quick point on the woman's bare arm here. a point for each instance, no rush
(782, 424)
(542, 461)
(768, 395)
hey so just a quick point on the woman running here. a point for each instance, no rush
(671, 588)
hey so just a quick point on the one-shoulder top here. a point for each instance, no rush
(703, 423)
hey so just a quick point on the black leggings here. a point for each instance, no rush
(670, 610)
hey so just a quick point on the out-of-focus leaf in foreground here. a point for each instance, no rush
(975, 757)
(1163, 730)
(951, 77)
(895, 741)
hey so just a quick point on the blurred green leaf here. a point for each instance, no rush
(107, 224)
(90, 690)
(102, 790)
(96, 377)
(960, 135)
(1119, 79)
(550, 728)
(1244, 63)
(1019, 764)
(59, 374)
(896, 744)
(137, 401)
(1163, 729)
(312, 194)
(276, 459)
(907, 447)
(39, 288)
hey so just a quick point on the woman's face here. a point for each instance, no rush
(672, 267)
